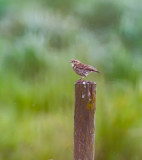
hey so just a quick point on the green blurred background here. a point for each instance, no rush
(37, 40)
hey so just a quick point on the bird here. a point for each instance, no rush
(82, 69)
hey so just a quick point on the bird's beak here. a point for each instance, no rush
(70, 61)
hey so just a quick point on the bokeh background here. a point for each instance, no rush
(37, 41)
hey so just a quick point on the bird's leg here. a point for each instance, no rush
(81, 79)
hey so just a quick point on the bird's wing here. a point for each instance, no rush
(87, 67)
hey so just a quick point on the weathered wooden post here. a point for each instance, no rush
(84, 120)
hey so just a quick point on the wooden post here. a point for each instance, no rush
(84, 120)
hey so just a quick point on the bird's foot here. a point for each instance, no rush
(80, 80)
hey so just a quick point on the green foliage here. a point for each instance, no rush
(121, 68)
(26, 64)
(38, 39)
(92, 17)
(63, 6)
(131, 27)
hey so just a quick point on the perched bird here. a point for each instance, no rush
(82, 69)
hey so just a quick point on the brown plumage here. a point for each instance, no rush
(82, 69)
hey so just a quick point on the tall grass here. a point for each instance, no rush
(37, 83)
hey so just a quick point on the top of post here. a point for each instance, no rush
(85, 82)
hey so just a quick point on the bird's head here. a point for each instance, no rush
(74, 61)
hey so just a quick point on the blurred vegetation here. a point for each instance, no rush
(37, 40)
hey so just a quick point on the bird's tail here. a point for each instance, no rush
(97, 71)
(92, 69)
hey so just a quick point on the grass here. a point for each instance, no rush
(37, 136)
(30, 129)
(37, 81)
